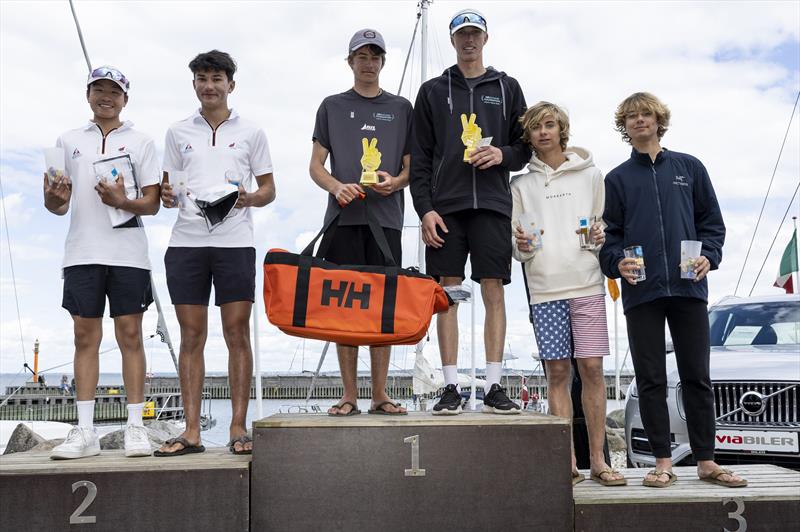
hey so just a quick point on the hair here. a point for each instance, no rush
(214, 61)
(374, 48)
(534, 116)
(641, 101)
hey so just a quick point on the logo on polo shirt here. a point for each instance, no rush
(76, 153)
(367, 127)
(188, 148)
(232, 145)
(121, 148)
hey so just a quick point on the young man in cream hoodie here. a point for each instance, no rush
(564, 280)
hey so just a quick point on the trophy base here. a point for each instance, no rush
(368, 179)
(467, 154)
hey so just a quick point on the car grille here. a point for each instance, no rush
(781, 409)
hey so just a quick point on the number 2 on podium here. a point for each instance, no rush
(91, 492)
(415, 471)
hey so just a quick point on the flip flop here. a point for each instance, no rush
(188, 448)
(354, 411)
(244, 438)
(658, 483)
(379, 410)
(713, 478)
(598, 477)
(577, 478)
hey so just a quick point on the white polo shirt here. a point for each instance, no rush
(91, 238)
(236, 148)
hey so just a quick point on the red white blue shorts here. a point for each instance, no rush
(571, 326)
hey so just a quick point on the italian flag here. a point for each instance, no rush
(788, 265)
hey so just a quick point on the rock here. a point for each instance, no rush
(616, 439)
(157, 431)
(22, 439)
(616, 419)
(47, 445)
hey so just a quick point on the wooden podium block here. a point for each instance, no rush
(208, 491)
(417, 472)
(770, 502)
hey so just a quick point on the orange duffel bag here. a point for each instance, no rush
(309, 297)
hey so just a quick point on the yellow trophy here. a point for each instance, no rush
(470, 136)
(370, 162)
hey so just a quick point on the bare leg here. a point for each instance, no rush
(348, 366)
(193, 320)
(88, 334)
(559, 401)
(593, 397)
(236, 330)
(447, 328)
(128, 330)
(379, 368)
(494, 329)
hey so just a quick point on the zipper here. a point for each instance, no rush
(214, 130)
(436, 175)
(474, 178)
(661, 227)
(103, 146)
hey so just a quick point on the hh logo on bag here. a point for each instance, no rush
(345, 294)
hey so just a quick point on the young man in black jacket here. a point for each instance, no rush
(463, 196)
(656, 199)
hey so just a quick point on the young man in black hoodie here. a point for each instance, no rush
(463, 196)
(654, 200)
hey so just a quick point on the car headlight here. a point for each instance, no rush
(632, 390)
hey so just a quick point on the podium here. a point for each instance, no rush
(417, 472)
(208, 491)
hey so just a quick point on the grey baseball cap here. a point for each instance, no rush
(365, 37)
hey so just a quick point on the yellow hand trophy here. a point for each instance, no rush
(470, 136)
(370, 162)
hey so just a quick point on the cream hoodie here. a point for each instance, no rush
(557, 198)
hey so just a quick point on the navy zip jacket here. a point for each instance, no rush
(439, 179)
(656, 205)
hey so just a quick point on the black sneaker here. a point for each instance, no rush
(497, 402)
(449, 403)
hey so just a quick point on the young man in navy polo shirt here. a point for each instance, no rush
(214, 147)
(102, 261)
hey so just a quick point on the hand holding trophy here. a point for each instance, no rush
(370, 162)
(470, 136)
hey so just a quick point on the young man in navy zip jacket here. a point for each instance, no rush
(465, 207)
(656, 199)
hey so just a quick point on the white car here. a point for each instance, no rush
(755, 375)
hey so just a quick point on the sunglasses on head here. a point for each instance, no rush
(111, 73)
(467, 17)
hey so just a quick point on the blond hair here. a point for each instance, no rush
(637, 102)
(534, 116)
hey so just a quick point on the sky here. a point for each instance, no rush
(729, 71)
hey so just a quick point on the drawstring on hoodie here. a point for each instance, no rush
(450, 94)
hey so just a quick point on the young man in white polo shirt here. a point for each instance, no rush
(213, 147)
(104, 261)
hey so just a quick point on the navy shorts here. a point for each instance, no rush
(86, 287)
(355, 245)
(482, 234)
(190, 272)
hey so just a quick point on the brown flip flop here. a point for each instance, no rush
(713, 478)
(577, 478)
(379, 410)
(354, 411)
(188, 448)
(659, 483)
(598, 477)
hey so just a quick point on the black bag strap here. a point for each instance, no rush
(374, 227)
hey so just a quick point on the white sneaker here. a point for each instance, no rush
(80, 442)
(136, 441)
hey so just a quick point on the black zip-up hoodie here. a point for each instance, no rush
(439, 178)
(656, 205)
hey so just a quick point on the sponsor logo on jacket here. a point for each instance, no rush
(491, 100)
(680, 180)
(367, 127)
(383, 117)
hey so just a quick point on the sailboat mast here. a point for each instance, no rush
(423, 77)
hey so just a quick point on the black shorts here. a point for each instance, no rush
(482, 234)
(355, 245)
(86, 287)
(190, 272)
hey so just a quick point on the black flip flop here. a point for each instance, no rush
(244, 438)
(379, 410)
(354, 411)
(188, 448)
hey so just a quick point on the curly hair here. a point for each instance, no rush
(534, 116)
(637, 102)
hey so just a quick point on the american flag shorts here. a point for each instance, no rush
(571, 325)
